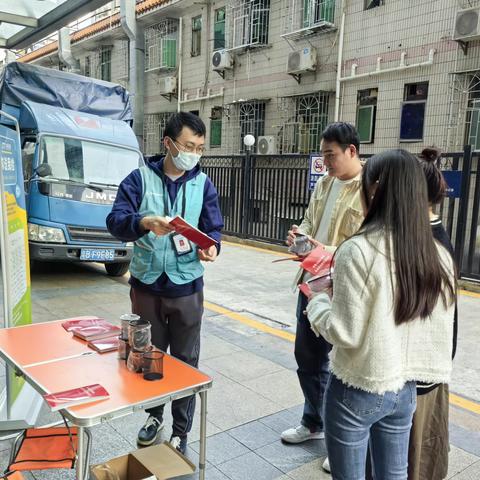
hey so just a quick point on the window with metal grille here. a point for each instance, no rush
(161, 45)
(304, 119)
(249, 23)
(153, 127)
(368, 4)
(366, 114)
(123, 65)
(216, 127)
(305, 17)
(196, 36)
(252, 120)
(219, 29)
(472, 114)
(412, 120)
(87, 67)
(106, 64)
(316, 11)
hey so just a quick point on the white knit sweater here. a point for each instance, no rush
(369, 351)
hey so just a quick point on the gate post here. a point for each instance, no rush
(463, 206)
(247, 180)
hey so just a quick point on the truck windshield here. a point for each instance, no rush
(88, 162)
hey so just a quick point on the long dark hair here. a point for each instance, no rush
(436, 185)
(395, 192)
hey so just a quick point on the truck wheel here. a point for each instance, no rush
(116, 269)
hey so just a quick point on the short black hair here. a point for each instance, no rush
(344, 134)
(179, 120)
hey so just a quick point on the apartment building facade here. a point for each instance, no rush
(282, 69)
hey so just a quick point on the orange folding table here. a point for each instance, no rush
(51, 360)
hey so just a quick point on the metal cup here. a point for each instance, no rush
(126, 319)
(140, 335)
(135, 361)
(153, 365)
(123, 348)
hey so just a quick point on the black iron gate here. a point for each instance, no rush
(461, 216)
(262, 195)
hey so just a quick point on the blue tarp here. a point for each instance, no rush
(68, 123)
(20, 82)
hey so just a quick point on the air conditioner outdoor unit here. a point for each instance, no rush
(167, 85)
(302, 61)
(222, 60)
(267, 145)
(467, 24)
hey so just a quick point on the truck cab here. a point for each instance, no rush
(73, 164)
(77, 146)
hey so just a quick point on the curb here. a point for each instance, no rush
(256, 243)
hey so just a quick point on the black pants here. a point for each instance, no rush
(176, 323)
(311, 353)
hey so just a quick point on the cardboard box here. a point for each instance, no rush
(158, 462)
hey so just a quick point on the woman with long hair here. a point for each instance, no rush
(429, 445)
(390, 321)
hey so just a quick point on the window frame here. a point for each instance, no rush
(196, 44)
(373, 112)
(219, 43)
(367, 98)
(106, 64)
(413, 100)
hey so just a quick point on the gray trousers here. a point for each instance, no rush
(176, 323)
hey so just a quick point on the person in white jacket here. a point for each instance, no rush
(390, 321)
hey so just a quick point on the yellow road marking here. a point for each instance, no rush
(467, 293)
(258, 249)
(464, 403)
(250, 322)
(456, 400)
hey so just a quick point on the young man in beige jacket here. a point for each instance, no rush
(333, 215)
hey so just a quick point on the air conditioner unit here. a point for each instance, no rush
(301, 61)
(222, 60)
(267, 145)
(167, 85)
(467, 24)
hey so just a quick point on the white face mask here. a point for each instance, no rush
(185, 160)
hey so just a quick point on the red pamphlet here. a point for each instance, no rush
(104, 344)
(75, 396)
(318, 262)
(71, 324)
(95, 330)
(191, 233)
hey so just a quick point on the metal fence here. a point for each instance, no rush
(261, 196)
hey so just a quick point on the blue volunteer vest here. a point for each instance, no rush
(152, 255)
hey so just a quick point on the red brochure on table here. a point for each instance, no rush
(191, 233)
(96, 331)
(104, 345)
(70, 324)
(318, 262)
(76, 396)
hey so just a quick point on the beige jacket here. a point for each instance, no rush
(347, 215)
(370, 351)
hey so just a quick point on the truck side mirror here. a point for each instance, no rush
(43, 170)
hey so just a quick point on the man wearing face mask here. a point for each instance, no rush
(167, 279)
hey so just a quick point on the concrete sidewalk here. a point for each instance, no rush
(247, 348)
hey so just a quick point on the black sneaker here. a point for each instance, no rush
(180, 443)
(149, 432)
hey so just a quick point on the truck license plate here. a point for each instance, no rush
(97, 254)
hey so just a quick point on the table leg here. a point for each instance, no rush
(80, 465)
(203, 434)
